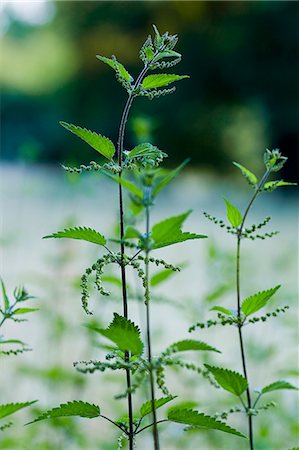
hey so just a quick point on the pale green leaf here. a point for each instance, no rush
(81, 233)
(233, 214)
(165, 180)
(277, 385)
(132, 233)
(231, 381)
(147, 407)
(257, 301)
(12, 341)
(160, 80)
(25, 310)
(191, 344)
(222, 310)
(116, 66)
(161, 276)
(100, 143)
(200, 420)
(145, 149)
(250, 177)
(124, 333)
(168, 232)
(74, 408)
(11, 408)
(5, 297)
(271, 185)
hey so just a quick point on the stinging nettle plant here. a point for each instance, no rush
(136, 170)
(242, 314)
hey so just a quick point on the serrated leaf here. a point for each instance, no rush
(74, 408)
(5, 297)
(11, 408)
(145, 149)
(223, 310)
(25, 310)
(160, 80)
(168, 54)
(250, 177)
(147, 407)
(272, 185)
(192, 344)
(124, 333)
(116, 66)
(231, 381)
(257, 301)
(233, 214)
(200, 420)
(100, 143)
(172, 174)
(277, 385)
(168, 232)
(81, 233)
(126, 183)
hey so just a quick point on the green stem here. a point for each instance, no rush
(240, 324)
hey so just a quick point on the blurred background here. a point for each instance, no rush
(242, 97)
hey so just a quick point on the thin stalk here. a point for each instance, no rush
(240, 324)
(148, 333)
(148, 426)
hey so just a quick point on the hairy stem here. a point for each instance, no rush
(148, 334)
(240, 324)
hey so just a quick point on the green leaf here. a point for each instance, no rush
(191, 344)
(145, 149)
(172, 174)
(160, 80)
(25, 310)
(257, 301)
(100, 143)
(231, 381)
(126, 183)
(149, 53)
(168, 54)
(168, 232)
(124, 333)
(81, 233)
(250, 177)
(12, 341)
(233, 214)
(74, 408)
(10, 408)
(5, 298)
(117, 66)
(272, 185)
(159, 277)
(223, 310)
(200, 420)
(146, 408)
(132, 233)
(277, 385)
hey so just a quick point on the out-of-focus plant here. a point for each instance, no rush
(244, 314)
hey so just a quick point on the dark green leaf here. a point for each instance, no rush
(200, 420)
(117, 66)
(10, 408)
(191, 344)
(146, 408)
(81, 233)
(231, 381)
(233, 214)
(125, 334)
(168, 232)
(74, 408)
(126, 183)
(172, 174)
(100, 143)
(277, 385)
(257, 301)
(160, 80)
(250, 177)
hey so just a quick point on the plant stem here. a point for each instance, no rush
(240, 324)
(148, 330)
(147, 426)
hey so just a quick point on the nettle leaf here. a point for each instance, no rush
(25, 310)
(159, 277)
(168, 54)
(81, 233)
(100, 143)
(125, 334)
(5, 297)
(147, 407)
(116, 66)
(257, 301)
(233, 214)
(11, 408)
(126, 183)
(191, 344)
(145, 149)
(231, 381)
(250, 177)
(165, 180)
(74, 408)
(200, 420)
(222, 310)
(160, 80)
(277, 385)
(132, 233)
(272, 185)
(168, 232)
